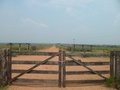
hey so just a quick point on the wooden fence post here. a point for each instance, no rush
(5, 67)
(118, 66)
(115, 70)
(64, 69)
(59, 81)
(115, 65)
(9, 66)
(112, 64)
(19, 47)
(3, 71)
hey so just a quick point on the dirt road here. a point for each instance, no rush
(24, 86)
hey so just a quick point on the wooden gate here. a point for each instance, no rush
(74, 62)
(64, 60)
(38, 63)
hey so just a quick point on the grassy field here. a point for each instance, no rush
(24, 47)
(89, 50)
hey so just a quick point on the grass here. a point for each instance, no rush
(2, 88)
(88, 51)
(110, 82)
(24, 47)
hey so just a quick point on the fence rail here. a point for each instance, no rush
(68, 63)
(36, 53)
(56, 72)
(36, 71)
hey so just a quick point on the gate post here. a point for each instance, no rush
(62, 69)
(4, 67)
(112, 64)
(117, 66)
(9, 66)
(59, 75)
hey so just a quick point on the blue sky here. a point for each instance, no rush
(60, 21)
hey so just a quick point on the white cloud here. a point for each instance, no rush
(33, 23)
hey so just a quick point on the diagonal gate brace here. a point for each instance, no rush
(80, 63)
(38, 64)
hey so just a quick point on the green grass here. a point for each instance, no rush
(90, 49)
(24, 47)
(40, 47)
(110, 82)
(2, 88)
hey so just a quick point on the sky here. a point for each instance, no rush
(60, 21)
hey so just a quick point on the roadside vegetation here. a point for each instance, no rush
(24, 47)
(89, 50)
(2, 88)
(110, 82)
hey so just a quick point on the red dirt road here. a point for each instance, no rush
(45, 86)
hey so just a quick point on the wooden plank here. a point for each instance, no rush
(38, 64)
(112, 64)
(84, 54)
(2, 82)
(80, 63)
(9, 66)
(34, 62)
(36, 71)
(36, 53)
(37, 80)
(118, 62)
(68, 63)
(59, 81)
(64, 70)
(84, 81)
(72, 63)
(5, 67)
(86, 72)
(115, 53)
(118, 66)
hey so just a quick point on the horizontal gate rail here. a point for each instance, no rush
(73, 63)
(68, 63)
(36, 53)
(80, 63)
(36, 71)
(84, 81)
(88, 54)
(34, 62)
(86, 72)
(37, 80)
(38, 64)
